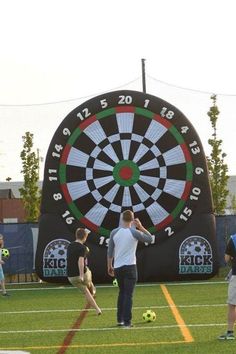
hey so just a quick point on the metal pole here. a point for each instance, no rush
(143, 75)
(38, 159)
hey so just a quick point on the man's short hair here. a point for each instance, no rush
(128, 216)
(80, 233)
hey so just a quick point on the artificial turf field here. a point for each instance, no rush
(46, 318)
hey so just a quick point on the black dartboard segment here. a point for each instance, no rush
(126, 150)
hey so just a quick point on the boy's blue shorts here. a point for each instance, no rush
(1, 274)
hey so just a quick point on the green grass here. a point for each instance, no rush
(37, 318)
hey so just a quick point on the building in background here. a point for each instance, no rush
(11, 206)
(230, 209)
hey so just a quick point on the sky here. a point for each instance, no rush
(72, 50)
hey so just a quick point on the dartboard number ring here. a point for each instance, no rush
(125, 150)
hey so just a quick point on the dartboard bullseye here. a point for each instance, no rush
(126, 173)
(125, 150)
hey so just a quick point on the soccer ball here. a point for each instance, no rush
(115, 282)
(149, 316)
(5, 253)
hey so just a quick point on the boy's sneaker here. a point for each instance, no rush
(227, 336)
(5, 294)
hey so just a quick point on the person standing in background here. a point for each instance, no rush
(230, 257)
(2, 278)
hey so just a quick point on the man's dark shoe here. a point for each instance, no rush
(129, 325)
(120, 324)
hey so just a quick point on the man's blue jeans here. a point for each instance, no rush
(126, 277)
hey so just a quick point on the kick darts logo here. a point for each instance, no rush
(195, 256)
(54, 258)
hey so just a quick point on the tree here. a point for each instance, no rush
(217, 167)
(30, 191)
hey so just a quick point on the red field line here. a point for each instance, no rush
(70, 335)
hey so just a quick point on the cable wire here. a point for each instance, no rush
(190, 89)
(69, 99)
(116, 88)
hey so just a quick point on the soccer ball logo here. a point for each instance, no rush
(56, 249)
(195, 246)
(5, 253)
(115, 282)
(149, 316)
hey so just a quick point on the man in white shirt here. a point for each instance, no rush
(122, 251)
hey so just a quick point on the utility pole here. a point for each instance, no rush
(143, 75)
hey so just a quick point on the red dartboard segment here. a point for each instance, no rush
(163, 121)
(165, 222)
(87, 122)
(66, 193)
(187, 189)
(89, 224)
(65, 154)
(186, 152)
(128, 109)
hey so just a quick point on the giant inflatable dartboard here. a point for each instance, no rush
(123, 150)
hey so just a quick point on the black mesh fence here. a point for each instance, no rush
(21, 241)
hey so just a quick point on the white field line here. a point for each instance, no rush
(112, 328)
(110, 309)
(111, 286)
